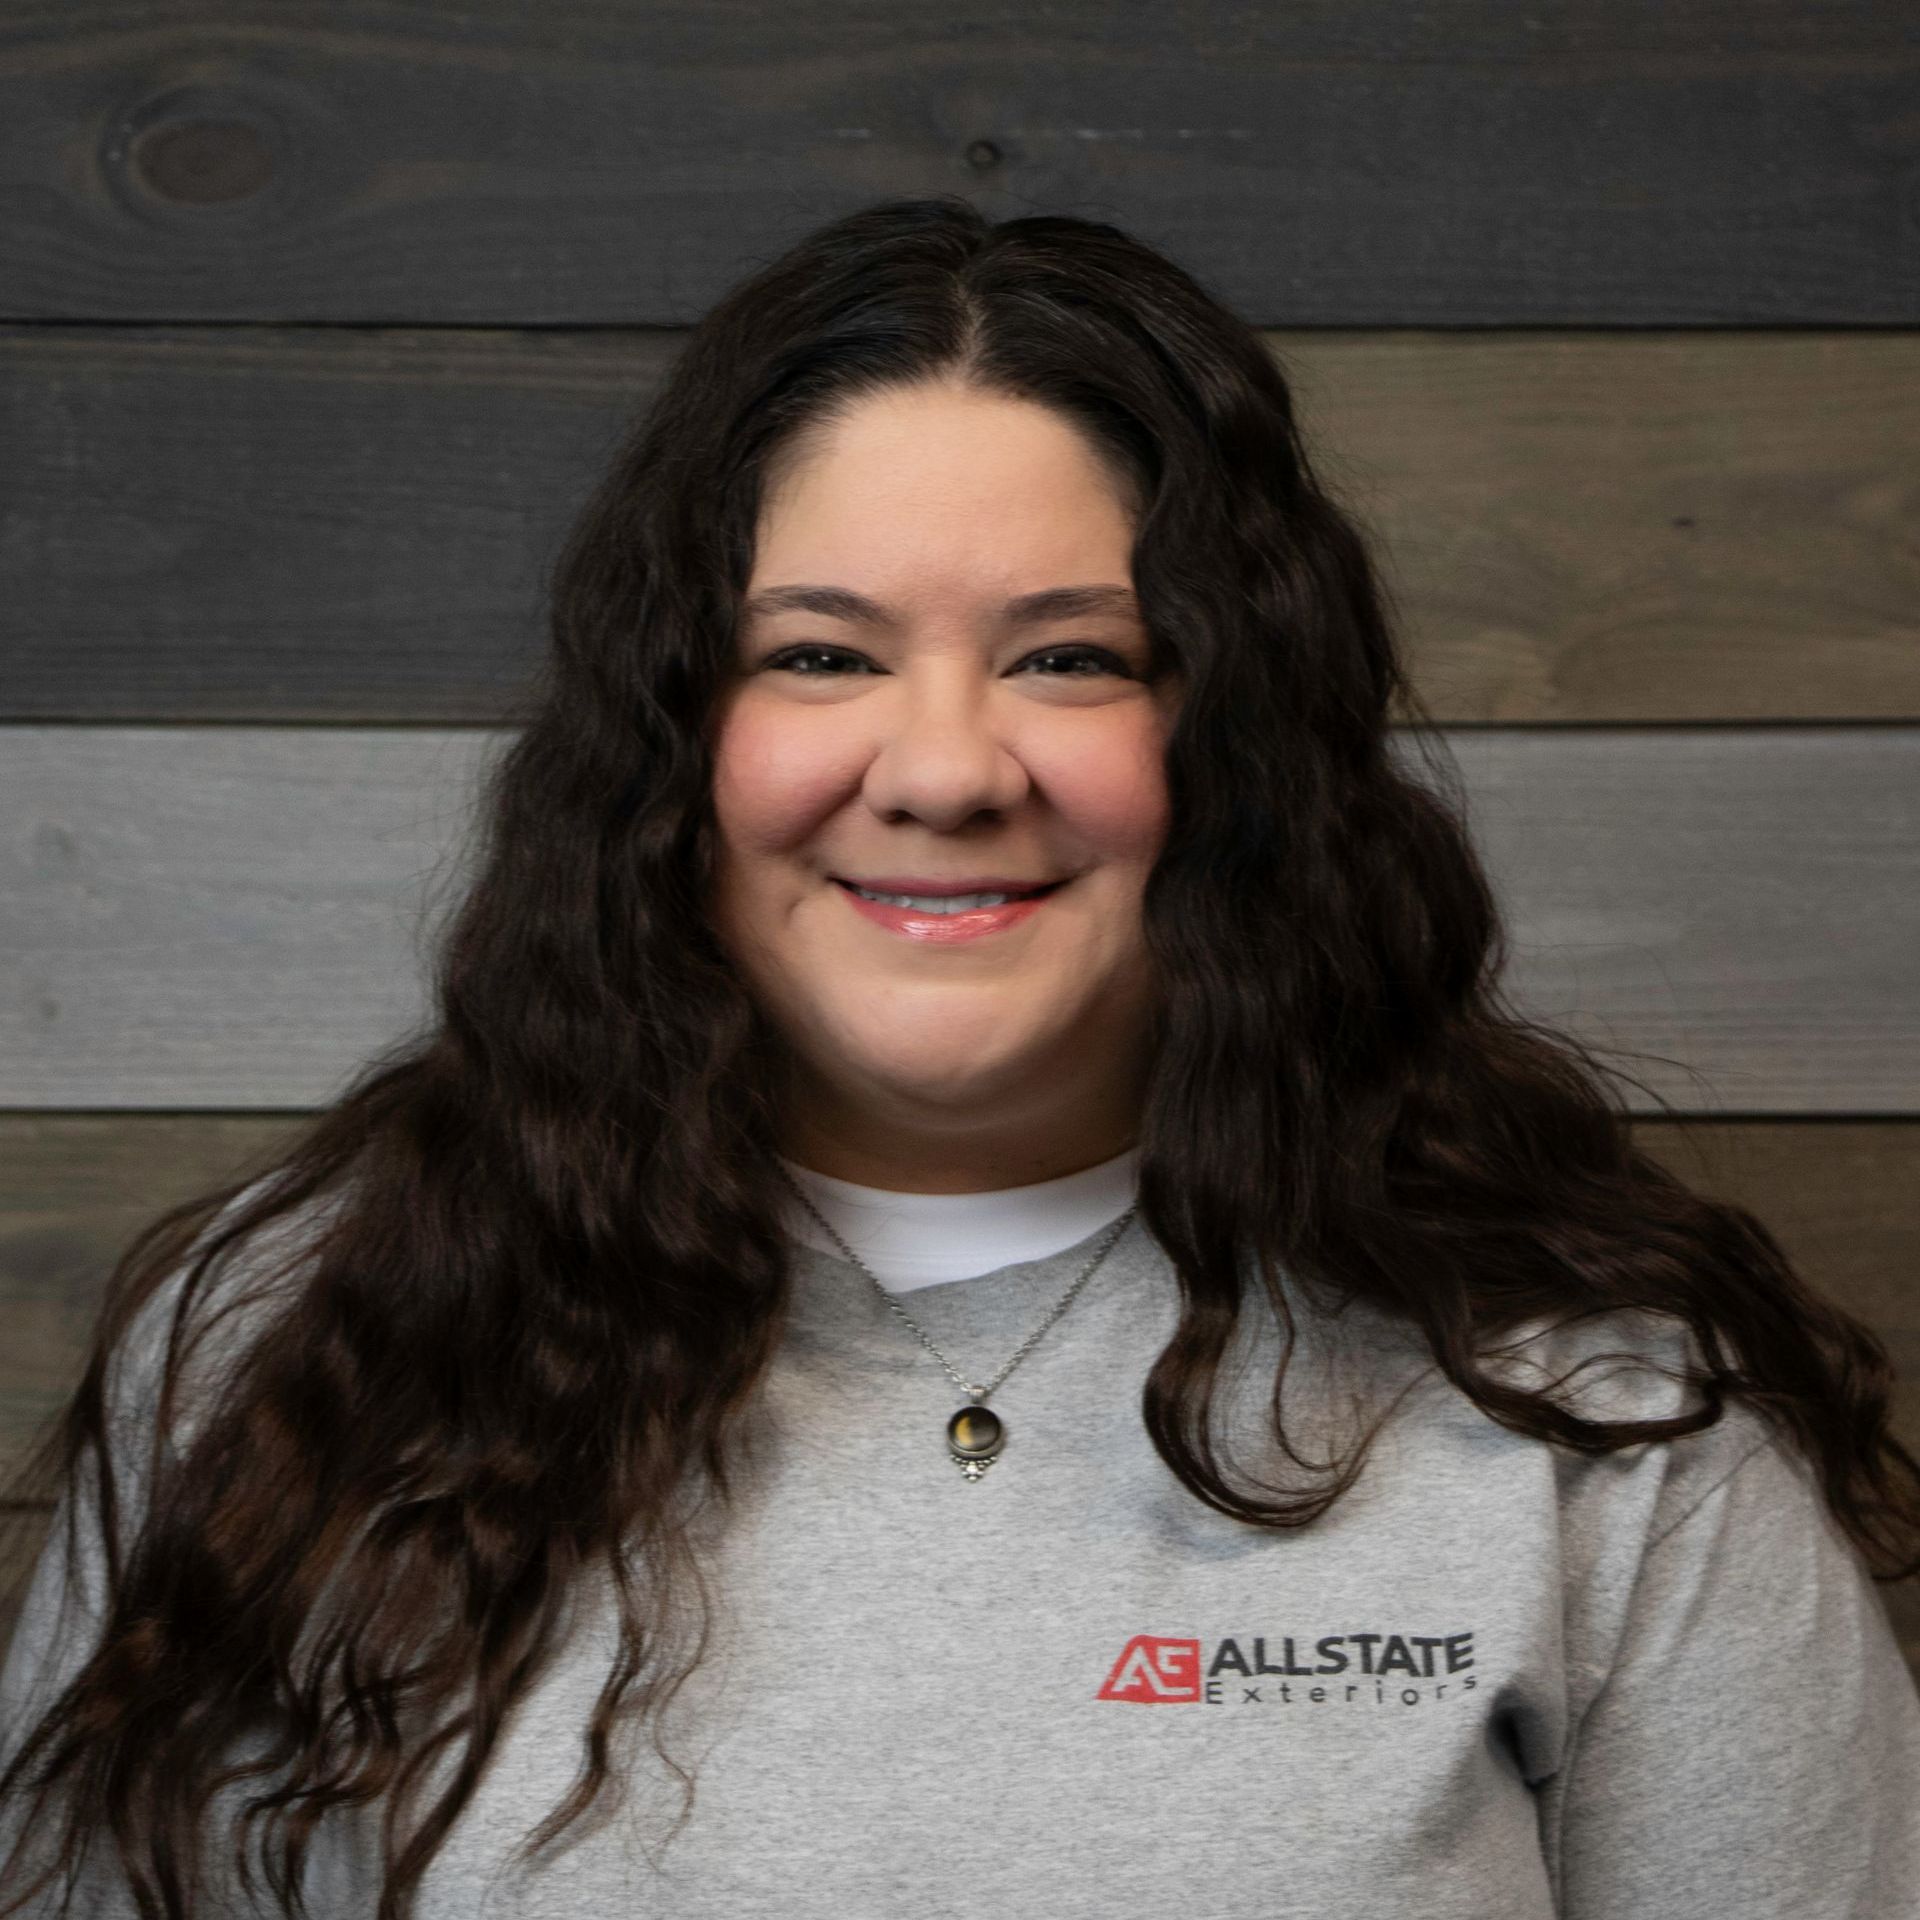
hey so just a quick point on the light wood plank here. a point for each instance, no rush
(1635, 527)
(306, 523)
(74, 1190)
(1333, 162)
(228, 917)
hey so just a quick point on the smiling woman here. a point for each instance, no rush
(991, 723)
(958, 818)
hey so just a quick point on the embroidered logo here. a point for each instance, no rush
(1155, 1671)
(1372, 1669)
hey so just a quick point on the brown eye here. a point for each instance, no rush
(787, 658)
(1103, 660)
(1087, 661)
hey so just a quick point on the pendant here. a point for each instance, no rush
(975, 1436)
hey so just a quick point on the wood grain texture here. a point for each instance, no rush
(1635, 527)
(218, 917)
(1843, 1198)
(1741, 906)
(1336, 162)
(277, 524)
(309, 524)
(237, 917)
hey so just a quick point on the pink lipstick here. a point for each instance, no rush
(943, 929)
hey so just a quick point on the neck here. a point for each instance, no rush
(901, 1142)
(957, 1163)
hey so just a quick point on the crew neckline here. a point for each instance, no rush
(916, 1240)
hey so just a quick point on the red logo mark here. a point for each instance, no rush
(1155, 1671)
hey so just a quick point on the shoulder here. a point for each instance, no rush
(193, 1332)
(1617, 1366)
(1659, 1533)
(1633, 1365)
(1668, 1546)
(199, 1324)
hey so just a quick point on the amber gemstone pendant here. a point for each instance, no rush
(975, 1436)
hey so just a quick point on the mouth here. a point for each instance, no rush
(945, 920)
(902, 896)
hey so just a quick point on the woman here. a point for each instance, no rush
(1142, 1391)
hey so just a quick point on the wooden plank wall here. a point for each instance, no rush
(313, 332)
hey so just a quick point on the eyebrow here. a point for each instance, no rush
(1027, 609)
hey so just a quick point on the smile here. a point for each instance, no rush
(940, 923)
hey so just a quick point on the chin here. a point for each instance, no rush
(944, 1070)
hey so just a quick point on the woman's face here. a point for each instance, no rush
(905, 720)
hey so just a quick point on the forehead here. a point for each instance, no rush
(935, 496)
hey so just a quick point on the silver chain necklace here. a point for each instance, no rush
(976, 1435)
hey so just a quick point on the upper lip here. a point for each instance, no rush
(916, 883)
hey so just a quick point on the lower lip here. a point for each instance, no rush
(946, 929)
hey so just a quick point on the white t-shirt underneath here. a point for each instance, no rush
(918, 1239)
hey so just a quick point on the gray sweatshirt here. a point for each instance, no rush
(1496, 1681)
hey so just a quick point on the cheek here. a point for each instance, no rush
(770, 788)
(1115, 797)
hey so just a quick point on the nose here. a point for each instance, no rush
(941, 751)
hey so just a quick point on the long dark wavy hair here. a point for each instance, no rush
(540, 1270)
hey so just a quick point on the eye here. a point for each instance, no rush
(1097, 659)
(1101, 658)
(787, 657)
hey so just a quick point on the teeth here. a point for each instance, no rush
(937, 903)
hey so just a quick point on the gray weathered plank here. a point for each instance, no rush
(218, 917)
(1744, 901)
(1333, 162)
(310, 523)
(227, 917)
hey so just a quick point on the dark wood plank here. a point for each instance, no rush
(293, 525)
(313, 524)
(1843, 1197)
(1334, 163)
(229, 916)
